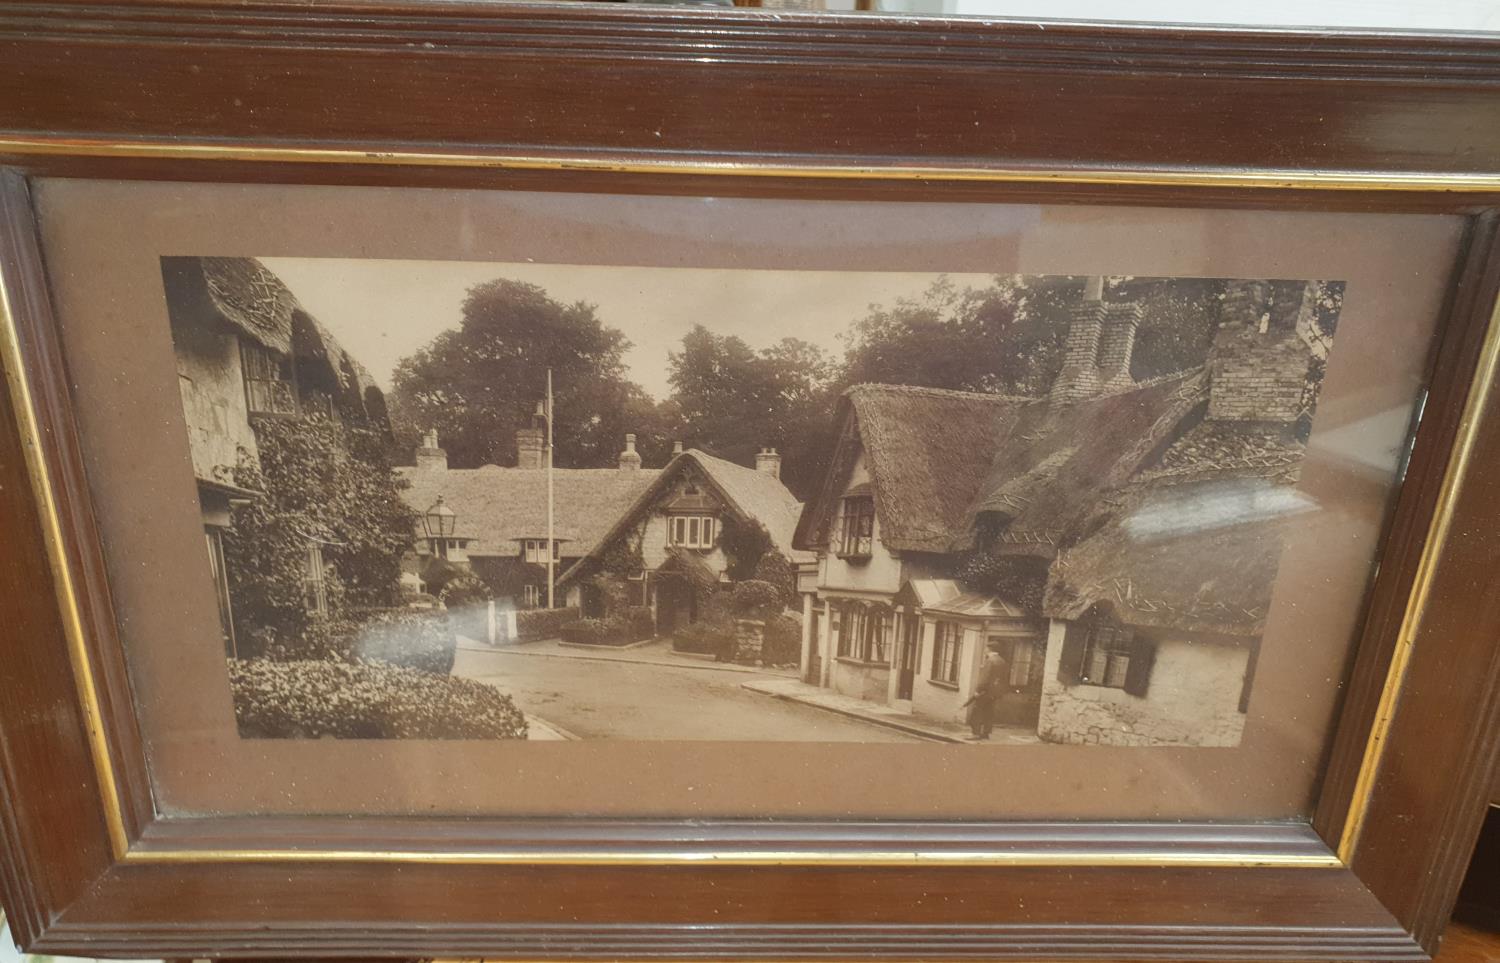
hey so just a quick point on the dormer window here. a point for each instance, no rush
(856, 533)
(692, 531)
(535, 550)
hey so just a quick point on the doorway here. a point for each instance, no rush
(676, 608)
(906, 663)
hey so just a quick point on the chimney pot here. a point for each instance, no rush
(630, 459)
(768, 461)
(430, 456)
(676, 447)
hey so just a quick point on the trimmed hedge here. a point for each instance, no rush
(589, 632)
(341, 700)
(411, 638)
(633, 625)
(535, 624)
(782, 643)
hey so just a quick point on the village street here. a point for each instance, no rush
(630, 695)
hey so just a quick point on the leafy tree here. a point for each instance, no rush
(731, 400)
(478, 383)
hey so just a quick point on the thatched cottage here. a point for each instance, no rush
(674, 535)
(1119, 539)
(246, 349)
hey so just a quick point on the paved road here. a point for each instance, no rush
(632, 700)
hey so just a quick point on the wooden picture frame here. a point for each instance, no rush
(446, 93)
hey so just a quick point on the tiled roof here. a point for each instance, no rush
(498, 506)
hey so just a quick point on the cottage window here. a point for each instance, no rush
(874, 647)
(268, 380)
(856, 527)
(531, 596)
(845, 629)
(1099, 650)
(536, 550)
(947, 642)
(691, 531)
(314, 581)
(1106, 654)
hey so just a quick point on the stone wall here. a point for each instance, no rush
(1192, 700)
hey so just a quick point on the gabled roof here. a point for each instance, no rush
(499, 506)
(750, 493)
(929, 451)
(1055, 464)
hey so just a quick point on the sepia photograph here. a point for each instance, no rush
(487, 501)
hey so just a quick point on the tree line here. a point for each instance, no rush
(479, 382)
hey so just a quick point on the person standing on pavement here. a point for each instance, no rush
(987, 688)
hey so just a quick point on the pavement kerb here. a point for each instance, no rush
(910, 730)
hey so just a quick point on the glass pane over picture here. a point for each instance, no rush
(1021, 498)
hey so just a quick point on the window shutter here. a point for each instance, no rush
(1142, 661)
(1070, 666)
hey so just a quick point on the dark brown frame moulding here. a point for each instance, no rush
(626, 99)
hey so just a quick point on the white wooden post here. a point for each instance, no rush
(489, 622)
(893, 651)
(805, 671)
(825, 646)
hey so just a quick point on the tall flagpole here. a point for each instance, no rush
(551, 541)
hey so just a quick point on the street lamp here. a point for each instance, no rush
(440, 521)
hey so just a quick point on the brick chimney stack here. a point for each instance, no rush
(768, 461)
(1117, 346)
(630, 459)
(430, 457)
(1099, 347)
(531, 448)
(1259, 362)
(1079, 377)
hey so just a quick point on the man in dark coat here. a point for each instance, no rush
(993, 674)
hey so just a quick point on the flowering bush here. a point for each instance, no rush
(713, 632)
(534, 624)
(312, 700)
(640, 622)
(325, 485)
(411, 638)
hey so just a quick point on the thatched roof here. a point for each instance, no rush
(251, 298)
(751, 494)
(1055, 464)
(1213, 449)
(497, 507)
(1198, 555)
(929, 451)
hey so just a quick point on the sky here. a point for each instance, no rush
(382, 311)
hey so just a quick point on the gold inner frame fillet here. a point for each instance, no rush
(1438, 531)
